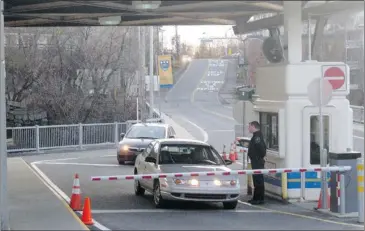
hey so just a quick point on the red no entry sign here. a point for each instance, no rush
(335, 75)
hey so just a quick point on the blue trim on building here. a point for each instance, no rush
(166, 85)
(294, 183)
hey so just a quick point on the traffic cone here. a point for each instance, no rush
(231, 154)
(75, 202)
(319, 205)
(235, 152)
(224, 155)
(86, 213)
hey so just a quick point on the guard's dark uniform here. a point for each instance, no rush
(256, 153)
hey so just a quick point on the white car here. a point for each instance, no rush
(180, 156)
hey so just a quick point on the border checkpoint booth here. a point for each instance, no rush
(289, 119)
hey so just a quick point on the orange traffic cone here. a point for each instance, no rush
(231, 154)
(86, 213)
(319, 205)
(75, 202)
(224, 155)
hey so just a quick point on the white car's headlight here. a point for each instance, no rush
(191, 182)
(228, 183)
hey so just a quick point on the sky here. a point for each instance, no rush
(191, 34)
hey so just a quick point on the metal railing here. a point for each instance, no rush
(37, 138)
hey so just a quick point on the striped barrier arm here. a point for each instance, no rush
(360, 188)
(219, 173)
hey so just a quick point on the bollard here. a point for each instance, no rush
(360, 188)
(342, 193)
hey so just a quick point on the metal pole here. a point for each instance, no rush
(4, 219)
(324, 186)
(342, 193)
(137, 110)
(143, 73)
(309, 38)
(152, 82)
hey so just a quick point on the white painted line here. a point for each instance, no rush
(359, 137)
(176, 211)
(108, 156)
(80, 164)
(56, 189)
(301, 216)
(228, 130)
(204, 133)
(46, 161)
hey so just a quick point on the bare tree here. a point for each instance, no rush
(74, 78)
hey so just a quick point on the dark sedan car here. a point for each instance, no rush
(138, 137)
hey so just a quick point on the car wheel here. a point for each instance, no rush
(230, 204)
(138, 190)
(157, 198)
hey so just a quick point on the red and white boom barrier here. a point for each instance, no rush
(220, 173)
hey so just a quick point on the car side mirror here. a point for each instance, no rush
(150, 159)
(122, 135)
(228, 162)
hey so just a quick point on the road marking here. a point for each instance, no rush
(80, 164)
(177, 211)
(227, 130)
(43, 161)
(192, 99)
(203, 132)
(301, 216)
(359, 137)
(58, 191)
(56, 194)
(113, 155)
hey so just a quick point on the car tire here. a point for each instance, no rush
(157, 198)
(230, 204)
(138, 190)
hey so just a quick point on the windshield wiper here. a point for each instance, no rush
(145, 137)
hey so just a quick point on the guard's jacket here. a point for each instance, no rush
(257, 150)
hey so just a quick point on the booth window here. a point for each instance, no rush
(270, 129)
(314, 138)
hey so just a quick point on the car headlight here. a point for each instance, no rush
(192, 182)
(225, 183)
(125, 148)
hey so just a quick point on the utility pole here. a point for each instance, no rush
(142, 73)
(4, 215)
(152, 82)
(177, 43)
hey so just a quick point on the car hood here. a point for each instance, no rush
(176, 168)
(138, 143)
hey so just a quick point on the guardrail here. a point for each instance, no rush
(358, 114)
(37, 138)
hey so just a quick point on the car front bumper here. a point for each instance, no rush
(212, 194)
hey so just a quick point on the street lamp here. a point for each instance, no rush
(110, 21)
(146, 5)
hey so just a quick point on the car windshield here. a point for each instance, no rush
(189, 154)
(146, 132)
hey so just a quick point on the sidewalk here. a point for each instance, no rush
(32, 205)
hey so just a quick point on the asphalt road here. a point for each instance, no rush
(194, 103)
(115, 207)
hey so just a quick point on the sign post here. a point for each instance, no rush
(320, 93)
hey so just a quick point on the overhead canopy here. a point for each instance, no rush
(36, 13)
(50, 13)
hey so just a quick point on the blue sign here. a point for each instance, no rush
(164, 65)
